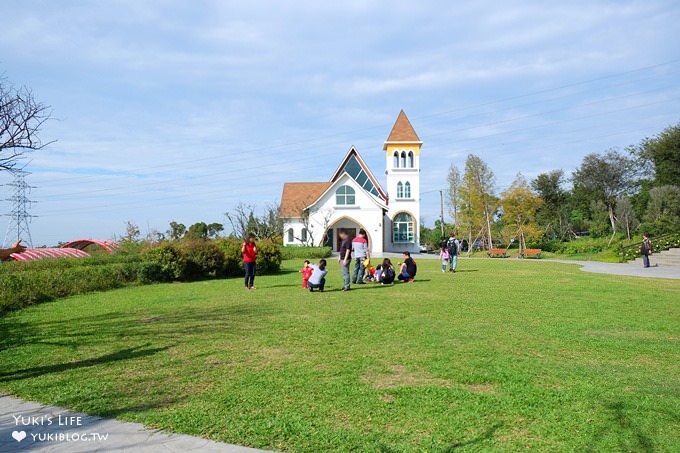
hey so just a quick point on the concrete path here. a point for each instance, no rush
(627, 269)
(25, 426)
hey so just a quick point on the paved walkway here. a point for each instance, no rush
(25, 426)
(628, 269)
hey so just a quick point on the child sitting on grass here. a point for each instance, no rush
(306, 273)
(370, 271)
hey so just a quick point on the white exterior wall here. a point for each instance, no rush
(297, 226)
(396, 205)
(365, 213)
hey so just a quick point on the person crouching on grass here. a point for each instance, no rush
(249, 252)
(408, 269)
(306, 273)
(318, 278)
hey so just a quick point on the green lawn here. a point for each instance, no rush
(503, 355)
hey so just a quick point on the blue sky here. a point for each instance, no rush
(169, 110)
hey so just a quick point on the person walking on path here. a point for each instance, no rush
(453, 247)
(646, 249)
(249, 252)
(361, 253)
(345, 258)
(318, 277)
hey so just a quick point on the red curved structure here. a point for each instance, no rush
(38, 254)
(80, 244)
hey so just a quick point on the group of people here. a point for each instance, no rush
(448, 251)
(357, 250)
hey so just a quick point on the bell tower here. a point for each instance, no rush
(402, 152)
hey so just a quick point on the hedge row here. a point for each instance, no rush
(294, 252)
(27, 283)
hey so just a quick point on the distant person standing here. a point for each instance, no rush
(646, 249)
(453, 247)
(361, 253)
(6, 254)
(345, 258)
(249, 252)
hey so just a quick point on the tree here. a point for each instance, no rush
(214, 229)
(553, 214)
(663, 210)
(478, 203)
(454, 182)
(659, 156)
(625, 217)
(131, 232)
(21, 118)
(176, 231)
(244, 221)
(197, 231)
(520, 204)
(605, 178)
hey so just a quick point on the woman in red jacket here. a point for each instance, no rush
(249, 251)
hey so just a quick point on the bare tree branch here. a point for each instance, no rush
(21, 119)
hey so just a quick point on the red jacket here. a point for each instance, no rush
(249, 252)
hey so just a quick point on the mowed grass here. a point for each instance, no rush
(504, 355)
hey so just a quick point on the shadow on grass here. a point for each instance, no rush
(626, 428)
(124, 354)
(486, 435)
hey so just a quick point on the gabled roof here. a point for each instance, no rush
(357, 169)
(402, 131)
(333, 185)
(298, 195)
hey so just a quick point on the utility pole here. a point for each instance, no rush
(441, 211)
(18, 225)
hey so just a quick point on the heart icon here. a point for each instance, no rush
(19, 435)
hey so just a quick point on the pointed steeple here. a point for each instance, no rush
(402, 131)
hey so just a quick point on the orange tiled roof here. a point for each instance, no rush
(298, 195)
(403, 130)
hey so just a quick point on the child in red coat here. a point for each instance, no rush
(306, 273)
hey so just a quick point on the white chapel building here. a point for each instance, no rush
(314, 212)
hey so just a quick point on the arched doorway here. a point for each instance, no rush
(330, 237)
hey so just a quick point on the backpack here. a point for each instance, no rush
(389, 274)
(452, 247)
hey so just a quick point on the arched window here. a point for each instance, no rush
(403, 159)
(400, 190)
(407, 190)
(410, 159)
(291, 236)
(396, 159)
(345, 195)
(303, 236)
(402, 228)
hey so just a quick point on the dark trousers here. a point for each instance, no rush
(250, 274)
(320, 286)
(404, 277)
(645, 260)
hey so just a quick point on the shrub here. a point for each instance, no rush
(292, 252)
(28, 286)
(268, 258)
(150, 273)
(170, 258)
(203, 258)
